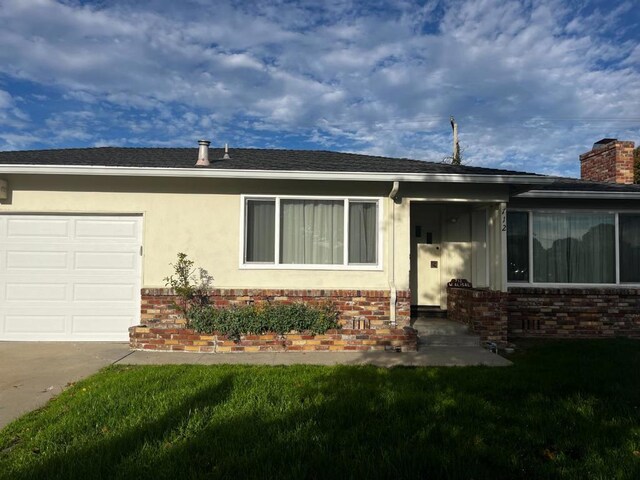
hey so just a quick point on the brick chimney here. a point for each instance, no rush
(609, 161)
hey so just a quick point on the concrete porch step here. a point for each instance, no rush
(439, 327)
(440, 332)
(465, 340)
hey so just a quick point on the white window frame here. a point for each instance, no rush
(531, 283)
(276, 265)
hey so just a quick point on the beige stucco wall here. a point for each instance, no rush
(201, 217)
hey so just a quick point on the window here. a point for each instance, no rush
(574, 248)
(578, 247)
(629, 224)
(363, 228)
(311, 231)
(518, 246)
(261, 229)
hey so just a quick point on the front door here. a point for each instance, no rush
(429, 282)
(427, 256)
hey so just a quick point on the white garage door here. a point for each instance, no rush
(69, 277)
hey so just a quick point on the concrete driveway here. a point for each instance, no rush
(33, 372)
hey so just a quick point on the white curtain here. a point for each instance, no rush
(574, 248)
(362, 232)
(261, 230)
(518, 246)
(311, 232)
(629, 247)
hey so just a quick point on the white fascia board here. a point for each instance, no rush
(272, 174)
(579, 194)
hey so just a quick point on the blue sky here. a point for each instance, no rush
(532, 83)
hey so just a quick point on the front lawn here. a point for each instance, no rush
(566, 409)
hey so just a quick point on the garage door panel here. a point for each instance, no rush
(35, 292)
(30, 324)
(37, 227)
(96, 324)
(104, 261)
(100, 292)
(36, 260)
(69, 277)
(107, 230)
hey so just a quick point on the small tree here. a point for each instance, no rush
(191, 285)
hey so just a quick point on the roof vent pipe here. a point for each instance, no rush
(203, 153)
(226, 152)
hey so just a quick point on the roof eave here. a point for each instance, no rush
(581, 194)
(273, 174)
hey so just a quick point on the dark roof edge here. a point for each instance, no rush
(506, 178)
(582, 194)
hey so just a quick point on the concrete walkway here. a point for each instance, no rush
(430, 356)
(31, 373)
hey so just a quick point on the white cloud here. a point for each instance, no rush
(5, 100)
(532, 84)
(11, 117)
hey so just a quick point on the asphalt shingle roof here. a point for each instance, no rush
(576, 185)
(274, 160)
(241, 159)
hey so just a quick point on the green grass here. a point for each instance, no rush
(564, 410)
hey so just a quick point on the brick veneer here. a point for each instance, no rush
(358, 309)
(165, 338)
(483, 310)
(571, 312)
(612, 163)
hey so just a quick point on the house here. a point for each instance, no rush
(87, 236)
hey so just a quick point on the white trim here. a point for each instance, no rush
(617, 247)
(572, 285)
(530, 240)
(503, 247)
(457, 200)
(203, 172)
(345, 232)
(243, 226)
(486, 247)
(78, 213)
(565, 210)
(381, 213)
(293, 266)
(276, 265)
(355, 198)
(596, 195)
(276, 238)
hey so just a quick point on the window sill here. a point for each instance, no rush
(332, 268)
(571, 285)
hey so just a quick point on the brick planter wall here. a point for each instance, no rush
(484, 311)
(358, 309)
(185, 340)
(574, 312)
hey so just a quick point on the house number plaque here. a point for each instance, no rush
(459, 283)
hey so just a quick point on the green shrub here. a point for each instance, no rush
(191, 285)
(265, 318)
